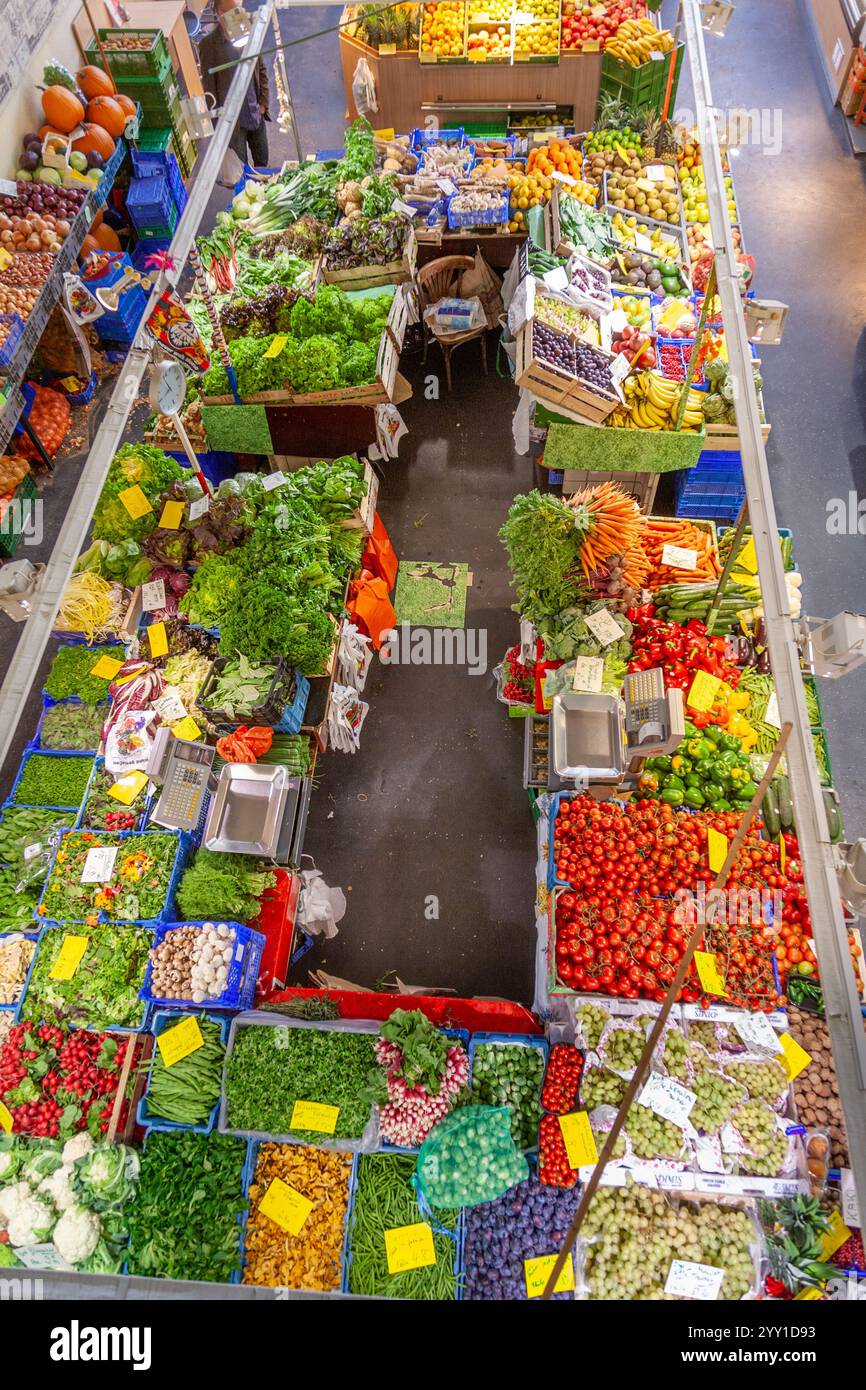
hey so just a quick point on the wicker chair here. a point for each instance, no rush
(440, 279)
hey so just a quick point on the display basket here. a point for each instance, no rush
(160, 1020)
(422, 139)
(30, 933)
(271, 709)
(540, 1045)
(486, 217)
(240, 989)
(292, 718)
(460, 1035)
(48, 753)
(14, 325)
(254, 1146)
(182, 853)
(363, 277)
(47, 937)
(457, 1236)
(140, 59)
(641, 86)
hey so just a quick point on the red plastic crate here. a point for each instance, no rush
(276, 922)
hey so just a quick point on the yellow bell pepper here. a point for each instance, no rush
(741, 729)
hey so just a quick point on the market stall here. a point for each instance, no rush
(175, 1106)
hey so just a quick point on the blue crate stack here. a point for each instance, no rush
(122, 326)
(714, 488)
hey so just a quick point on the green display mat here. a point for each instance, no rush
(430, 594)
(613, 450)
(237, 429)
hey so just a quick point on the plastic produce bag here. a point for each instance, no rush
(346, 717)
(320, 908)
(353, 657)
(469, 1157)
(364, 88)
(455, 315)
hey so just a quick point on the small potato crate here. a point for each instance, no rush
(363, 277)
(570, 396)
(240, 989)
(131, 52)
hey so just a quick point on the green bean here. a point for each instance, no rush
(186, 1092)
(385, 1199)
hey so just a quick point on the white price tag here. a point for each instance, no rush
(562, 178)
(198, 508)
(656, 172)
(604, 626)
(556, 279)
(588, 673)
(850, 1208)
(771, 713)
(273, 480)
(399, 206)
(665, 1097)
(31, 851)
(679, 557)
(755, 1031)
(41, 1257)
(676, 1182)
(99, 864)
(153, 595)
(643, 243)
(448, 187)
(8, 188)
(689, 1280)
(170, 706)
(619, 367)
(657, 57)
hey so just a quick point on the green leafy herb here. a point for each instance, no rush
(70, 674)
(103, 992)
(224, 886)
(50, 780)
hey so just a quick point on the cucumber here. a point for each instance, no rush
(835, 828)
(786, 809)
(770, 811)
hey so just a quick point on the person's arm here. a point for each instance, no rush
(264, 88)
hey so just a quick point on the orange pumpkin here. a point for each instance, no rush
(88, 244)
(97, 222)
(62, 108)
(105, 111)
(126, 103)
(106, 238)
(95, 83)
(95, 138)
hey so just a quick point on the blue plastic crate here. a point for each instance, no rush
(460, 1035)
(215, 464)
(160, 1020)
(46, 934)
(35, 743)
(292, 716)
(32, 934)
(251, 173)
(489, 217)
(14, 325)
(148, 246)
(249, 1178)
(235, 1277)
(519, 1039)
(46, 753)
(453, 135)
(324, 156)
(149, 200)
(307, 944)
(103, 188)
(240, 989)
(457, 1236)
(184, 847)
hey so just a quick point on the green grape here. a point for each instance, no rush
(705, 1033)
(651, 1136)
(763, 1080)
(769, 1164)
(676, 1056)
(592, 1020)
(601, 1087)
(623, 1049)
(717, 1097)
(600, 1136)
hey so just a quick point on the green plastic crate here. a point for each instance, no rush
(161, 230)
(154, 61)
(643, 86)
(11, 527)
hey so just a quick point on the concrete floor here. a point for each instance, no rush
(427, 827)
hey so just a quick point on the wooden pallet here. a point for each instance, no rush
(567, 395)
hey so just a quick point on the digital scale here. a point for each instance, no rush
(598, 739)
(182, 768)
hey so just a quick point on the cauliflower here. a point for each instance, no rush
(57, 1189)
(30, 1221)
(77, 1147)
(76, 1235)
(10, 1198)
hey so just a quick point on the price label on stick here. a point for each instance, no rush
(783, 851)
(837, 1235)
(655, 173)
(69, 957)
(708, 973)
(642, 243)
(309, 1114)
(273, 480)
(277, 345)
(153, 595)
(99, 864)
(667, 1098)
(186, 729)
(170, 707)
(794, 1057)
(771, 713)
(127, 788)
(538, 1271)
(157, 639)
(409, 1247)
(562, 178)
(179, 1041)
(850, 1208)
(756, 1031)
(604, 626)
(588, 673)
(578, 1139)
(286, 1206)
(198, 508)
(747, 558)
(6, 1120)
(556, 279)
(448, 188)
(106, 668)
(679, 557)
(687, 1279)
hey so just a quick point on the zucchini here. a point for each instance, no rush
(786, 809)
(770, 811)
(835, 828)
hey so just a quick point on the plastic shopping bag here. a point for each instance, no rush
(364, 88)
(354, 657)
(346, 715)
(320, 908)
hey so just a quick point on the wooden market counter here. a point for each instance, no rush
(410, 92)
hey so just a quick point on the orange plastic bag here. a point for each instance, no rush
(371, 608)
(380, 556)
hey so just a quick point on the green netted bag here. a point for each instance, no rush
(469, 1157)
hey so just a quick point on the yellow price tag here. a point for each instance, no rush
(794, 1057)
(409, 1247)
(6, 1120)
(186, 728)
(835, 1236)
(579, 1139)
(590, 46)
(172, 516)
(277, 345)
(106, 667)
(69, 957)
(704, 690)
(283, 1205)
(708, 973)
(537, 1272)
(5, 258)
(309, 1114)
(809, 1295)
(783, 853)
(128, 787)
(747, 559)
(135, 502)
(717, 844)
(387, 134)
(179, 1041)
(158, 639)
(69, 383)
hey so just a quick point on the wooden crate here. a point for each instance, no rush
(641, 486)
(568, 395)
(727, 437)
(365, 277)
